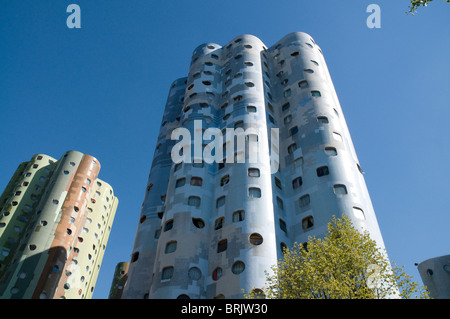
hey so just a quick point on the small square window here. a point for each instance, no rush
(170, 247)
(292, 148)
(296, 183)
(253, 172)
(330, 151)
(287, 93)
(238, 216)
(224, 180)
(167, 273)
(180, 182)
(316, 93)
(304, 201)
(220, 201)
(218, 224)
(340, 189)
(283, 226)
(303, 84)
(168, 225)
(293, 130)
(307, 222)
(194, 201)
(278, 183)
(322, 171)
(196, 181)
(251, 109)
(322, 119)
(254, 192)
(222, 245)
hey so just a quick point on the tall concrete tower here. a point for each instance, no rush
(55, 220)
(209, 229)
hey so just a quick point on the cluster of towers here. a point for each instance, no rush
(55, 220)
(253, 155)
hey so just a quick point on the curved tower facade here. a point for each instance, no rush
(435, 274)
(253, 155)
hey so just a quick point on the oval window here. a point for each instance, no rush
(238, 267)
(255, 239)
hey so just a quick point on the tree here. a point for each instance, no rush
(345, 264)
(415, 4)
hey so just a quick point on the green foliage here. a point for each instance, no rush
(415, 4)
(345, 264)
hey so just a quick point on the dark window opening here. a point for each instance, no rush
(222, 245)
(322, 171)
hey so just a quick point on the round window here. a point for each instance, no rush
(255, 239)
(194, 273)
(198, 222)
(238, 267)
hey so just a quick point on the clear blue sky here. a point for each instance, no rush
(102, 89)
